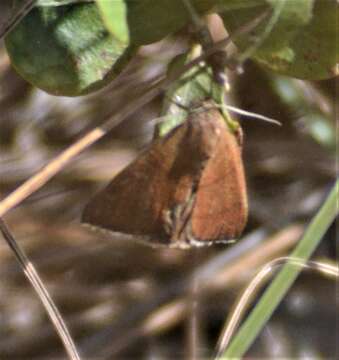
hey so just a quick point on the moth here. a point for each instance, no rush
(186, 189)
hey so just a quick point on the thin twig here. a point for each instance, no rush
(35, 280)
(20, 14)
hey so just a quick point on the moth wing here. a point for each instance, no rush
(220, 209)
(134, 200)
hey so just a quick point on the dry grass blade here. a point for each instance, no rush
(33, 277)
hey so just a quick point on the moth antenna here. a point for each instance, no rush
(253, 115)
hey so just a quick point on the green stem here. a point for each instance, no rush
(284, 280)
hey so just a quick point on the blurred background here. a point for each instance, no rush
(122, 300)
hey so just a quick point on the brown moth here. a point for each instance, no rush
(187, 189)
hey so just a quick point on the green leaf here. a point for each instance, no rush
(114, 14)
(144, 21)
(301, 41)
(289, 15)
(191, 88)
(313, 53)
(66, 50)
(150, 21)
(189, 91)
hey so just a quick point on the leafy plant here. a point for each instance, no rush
(72, 48)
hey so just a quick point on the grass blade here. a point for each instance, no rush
(284, 280)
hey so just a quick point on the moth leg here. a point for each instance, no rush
(172, 220)
(175, 220)
(185, 217)
(167, 218)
